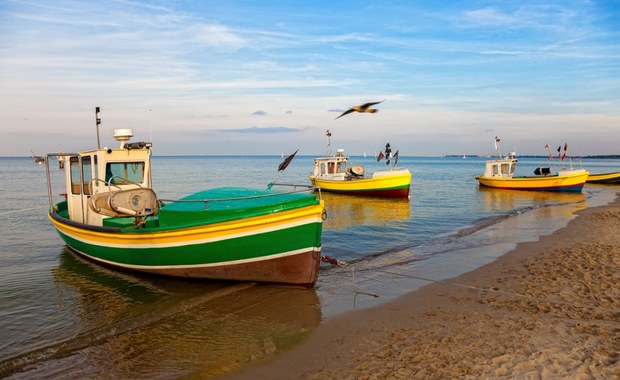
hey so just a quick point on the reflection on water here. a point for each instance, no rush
(349, 210)
(62, 317)
(507, 200)
(123, 326)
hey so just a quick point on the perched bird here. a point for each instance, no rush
(362, 108)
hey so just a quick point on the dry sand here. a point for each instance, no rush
(549, 309)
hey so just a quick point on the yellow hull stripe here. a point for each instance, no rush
(197, 235)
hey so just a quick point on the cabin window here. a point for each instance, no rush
(323, 168)
(87, 174)
(495, 169)
(123, 173)
(505, 168)
(74, 167)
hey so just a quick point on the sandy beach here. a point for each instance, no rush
(548, 309)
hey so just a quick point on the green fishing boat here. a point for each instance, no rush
(111, 215)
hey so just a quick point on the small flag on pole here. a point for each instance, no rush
(287, 161)
(380, 156)
(395, 158)
(565, 149)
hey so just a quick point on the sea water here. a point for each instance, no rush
(62, 316)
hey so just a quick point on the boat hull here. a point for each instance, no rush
(606, 178)
(283, 247)
(565, 183)
(392, 186)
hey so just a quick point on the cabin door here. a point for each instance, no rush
(81, 171)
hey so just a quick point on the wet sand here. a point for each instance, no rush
(548, 309)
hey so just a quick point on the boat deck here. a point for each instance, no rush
(217, 206)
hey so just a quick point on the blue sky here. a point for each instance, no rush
(248, 77)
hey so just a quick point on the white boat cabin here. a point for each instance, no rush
(336, 168)
(501, 168)
(105, 183)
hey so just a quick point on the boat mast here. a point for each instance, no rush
(97, 122)
(329, 144)
(497, 140)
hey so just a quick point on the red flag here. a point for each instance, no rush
(380, 156)
(563, 156)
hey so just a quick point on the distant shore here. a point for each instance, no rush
(547, 309)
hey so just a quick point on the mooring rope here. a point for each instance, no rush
(503, 292)
(358, 290)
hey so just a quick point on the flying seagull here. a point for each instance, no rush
(362, 108)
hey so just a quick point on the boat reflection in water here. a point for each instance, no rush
(503, 200)
(116, 325)
(349, 210)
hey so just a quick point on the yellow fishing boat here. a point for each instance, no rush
(607, 178)
(500, 173)
(333, 173)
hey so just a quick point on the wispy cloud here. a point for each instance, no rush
(200, 65)
(501, 52)
(261, 130)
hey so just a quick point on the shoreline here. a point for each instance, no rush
(549, 308)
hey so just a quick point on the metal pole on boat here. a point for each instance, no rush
(329, 143)
(49, 183)
(97, 122)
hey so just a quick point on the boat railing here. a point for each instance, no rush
(304, 189)
(295, 186)
(49, 177)
(92, 184)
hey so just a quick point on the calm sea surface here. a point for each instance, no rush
(63, 317)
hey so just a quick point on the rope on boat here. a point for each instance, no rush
(359, 290)
(331, 260)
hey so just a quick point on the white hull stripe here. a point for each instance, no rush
(195, 266)
(133, 244)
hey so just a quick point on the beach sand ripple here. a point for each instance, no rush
(549, 309)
